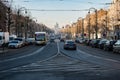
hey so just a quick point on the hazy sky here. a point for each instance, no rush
(50, 18)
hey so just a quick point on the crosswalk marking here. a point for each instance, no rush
(58, 63)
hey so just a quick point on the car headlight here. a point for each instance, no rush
(16, 45)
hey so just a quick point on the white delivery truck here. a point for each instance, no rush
(4, 38)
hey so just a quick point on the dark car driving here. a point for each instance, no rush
(70, 44)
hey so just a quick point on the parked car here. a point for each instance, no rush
(95, 42)
(30, 41)
(70, 44)
(22, 40)
(101, 43)
(109, 45)
(90, 42)
(87, 42)
(15, 44)
(79, 40)
(116, 46)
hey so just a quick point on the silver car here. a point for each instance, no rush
(30, 40)
(116, 46)
(15, 44)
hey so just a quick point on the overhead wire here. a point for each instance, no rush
(58, 10)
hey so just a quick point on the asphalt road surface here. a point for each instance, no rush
(52, 62)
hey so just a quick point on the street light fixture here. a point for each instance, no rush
(96, 28)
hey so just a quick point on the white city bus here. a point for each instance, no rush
(40, 38)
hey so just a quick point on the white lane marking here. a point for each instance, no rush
(49, 57)
(32, 63)
(11, 59)
(58, 48)
(89, 55)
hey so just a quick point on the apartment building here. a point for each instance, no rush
(114, 18)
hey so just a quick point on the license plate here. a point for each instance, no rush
(71, 46)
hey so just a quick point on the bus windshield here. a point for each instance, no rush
(40, 37)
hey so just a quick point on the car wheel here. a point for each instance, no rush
(17, 47)
(118, 51)
(114, 51)
(105, 48)
(74, 48)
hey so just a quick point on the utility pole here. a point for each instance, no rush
(26, 28)
(83, 28)
(9, 19)
(96, 29)
(17, 23)
(106, 22)
(19, 33)
(89, 26)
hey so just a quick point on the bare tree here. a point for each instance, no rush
(3, 17)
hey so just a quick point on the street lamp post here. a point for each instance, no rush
(9, 9)
(17, 21)
(82, 26)
(106, 23)
(79, 25)
(96, 28)
(89, 26)
(34, 23)
(9, 19)
(26, 26)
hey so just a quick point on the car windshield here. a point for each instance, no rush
(14, 42)
(11, 38)
(18, 39)
(1, 37)
(59, 39)
(70, 42)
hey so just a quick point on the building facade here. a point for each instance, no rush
(114, 18)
